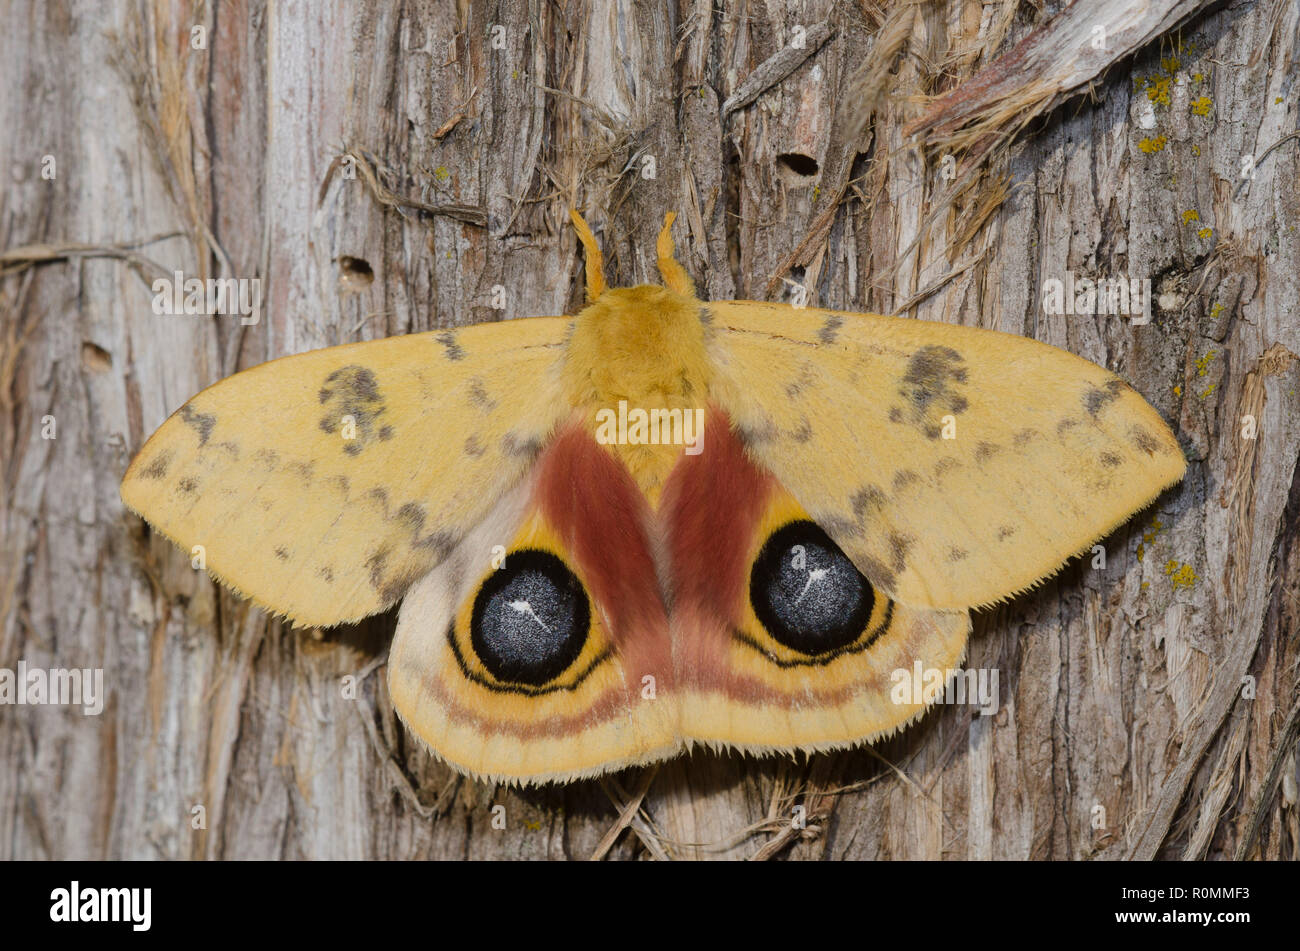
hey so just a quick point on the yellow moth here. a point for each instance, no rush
(659, 523)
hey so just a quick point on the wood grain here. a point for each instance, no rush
(1122, 730)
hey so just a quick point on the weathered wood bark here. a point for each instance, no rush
(1124, 728)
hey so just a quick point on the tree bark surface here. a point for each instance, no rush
(390, 168)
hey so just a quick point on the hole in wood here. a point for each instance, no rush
(797, 162)
(354, 273)
(95, 357)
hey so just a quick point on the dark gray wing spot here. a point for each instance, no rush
(754, 435)
(899, 544)
(903, 478)
(1143, 439)
(202, 423)
(830, 329)
(513, 444)
(1096, 398)
(353, 391)
(157, 467)
(379, 496)
(478, 395)
(878, 573)
(929, 389)
(303, 470)
(452, 346)
(869, 497)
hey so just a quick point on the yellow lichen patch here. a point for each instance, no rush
(1181, 575)
(1190, 215)
(1203, 364)
(1204, 233)
(1148, 537)
(1170, 64)
(1201, 106)
(1209, 389)
(1198, 77)
(1178, 391)
(441, 173)
(1158, 91)
(1216, 310)
(1150, 145)
(1196, 150)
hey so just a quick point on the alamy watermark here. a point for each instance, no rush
(55, 686)
(76, 903)
(977, 686)
(228, 296)
(654, 427)
(1104, 295)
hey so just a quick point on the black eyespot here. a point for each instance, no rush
(530, 619)
(807, 593)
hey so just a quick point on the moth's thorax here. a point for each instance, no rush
(639, 350)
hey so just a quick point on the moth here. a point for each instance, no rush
(658, 524)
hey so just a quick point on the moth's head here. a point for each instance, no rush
(675, 277)
(644, 344)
